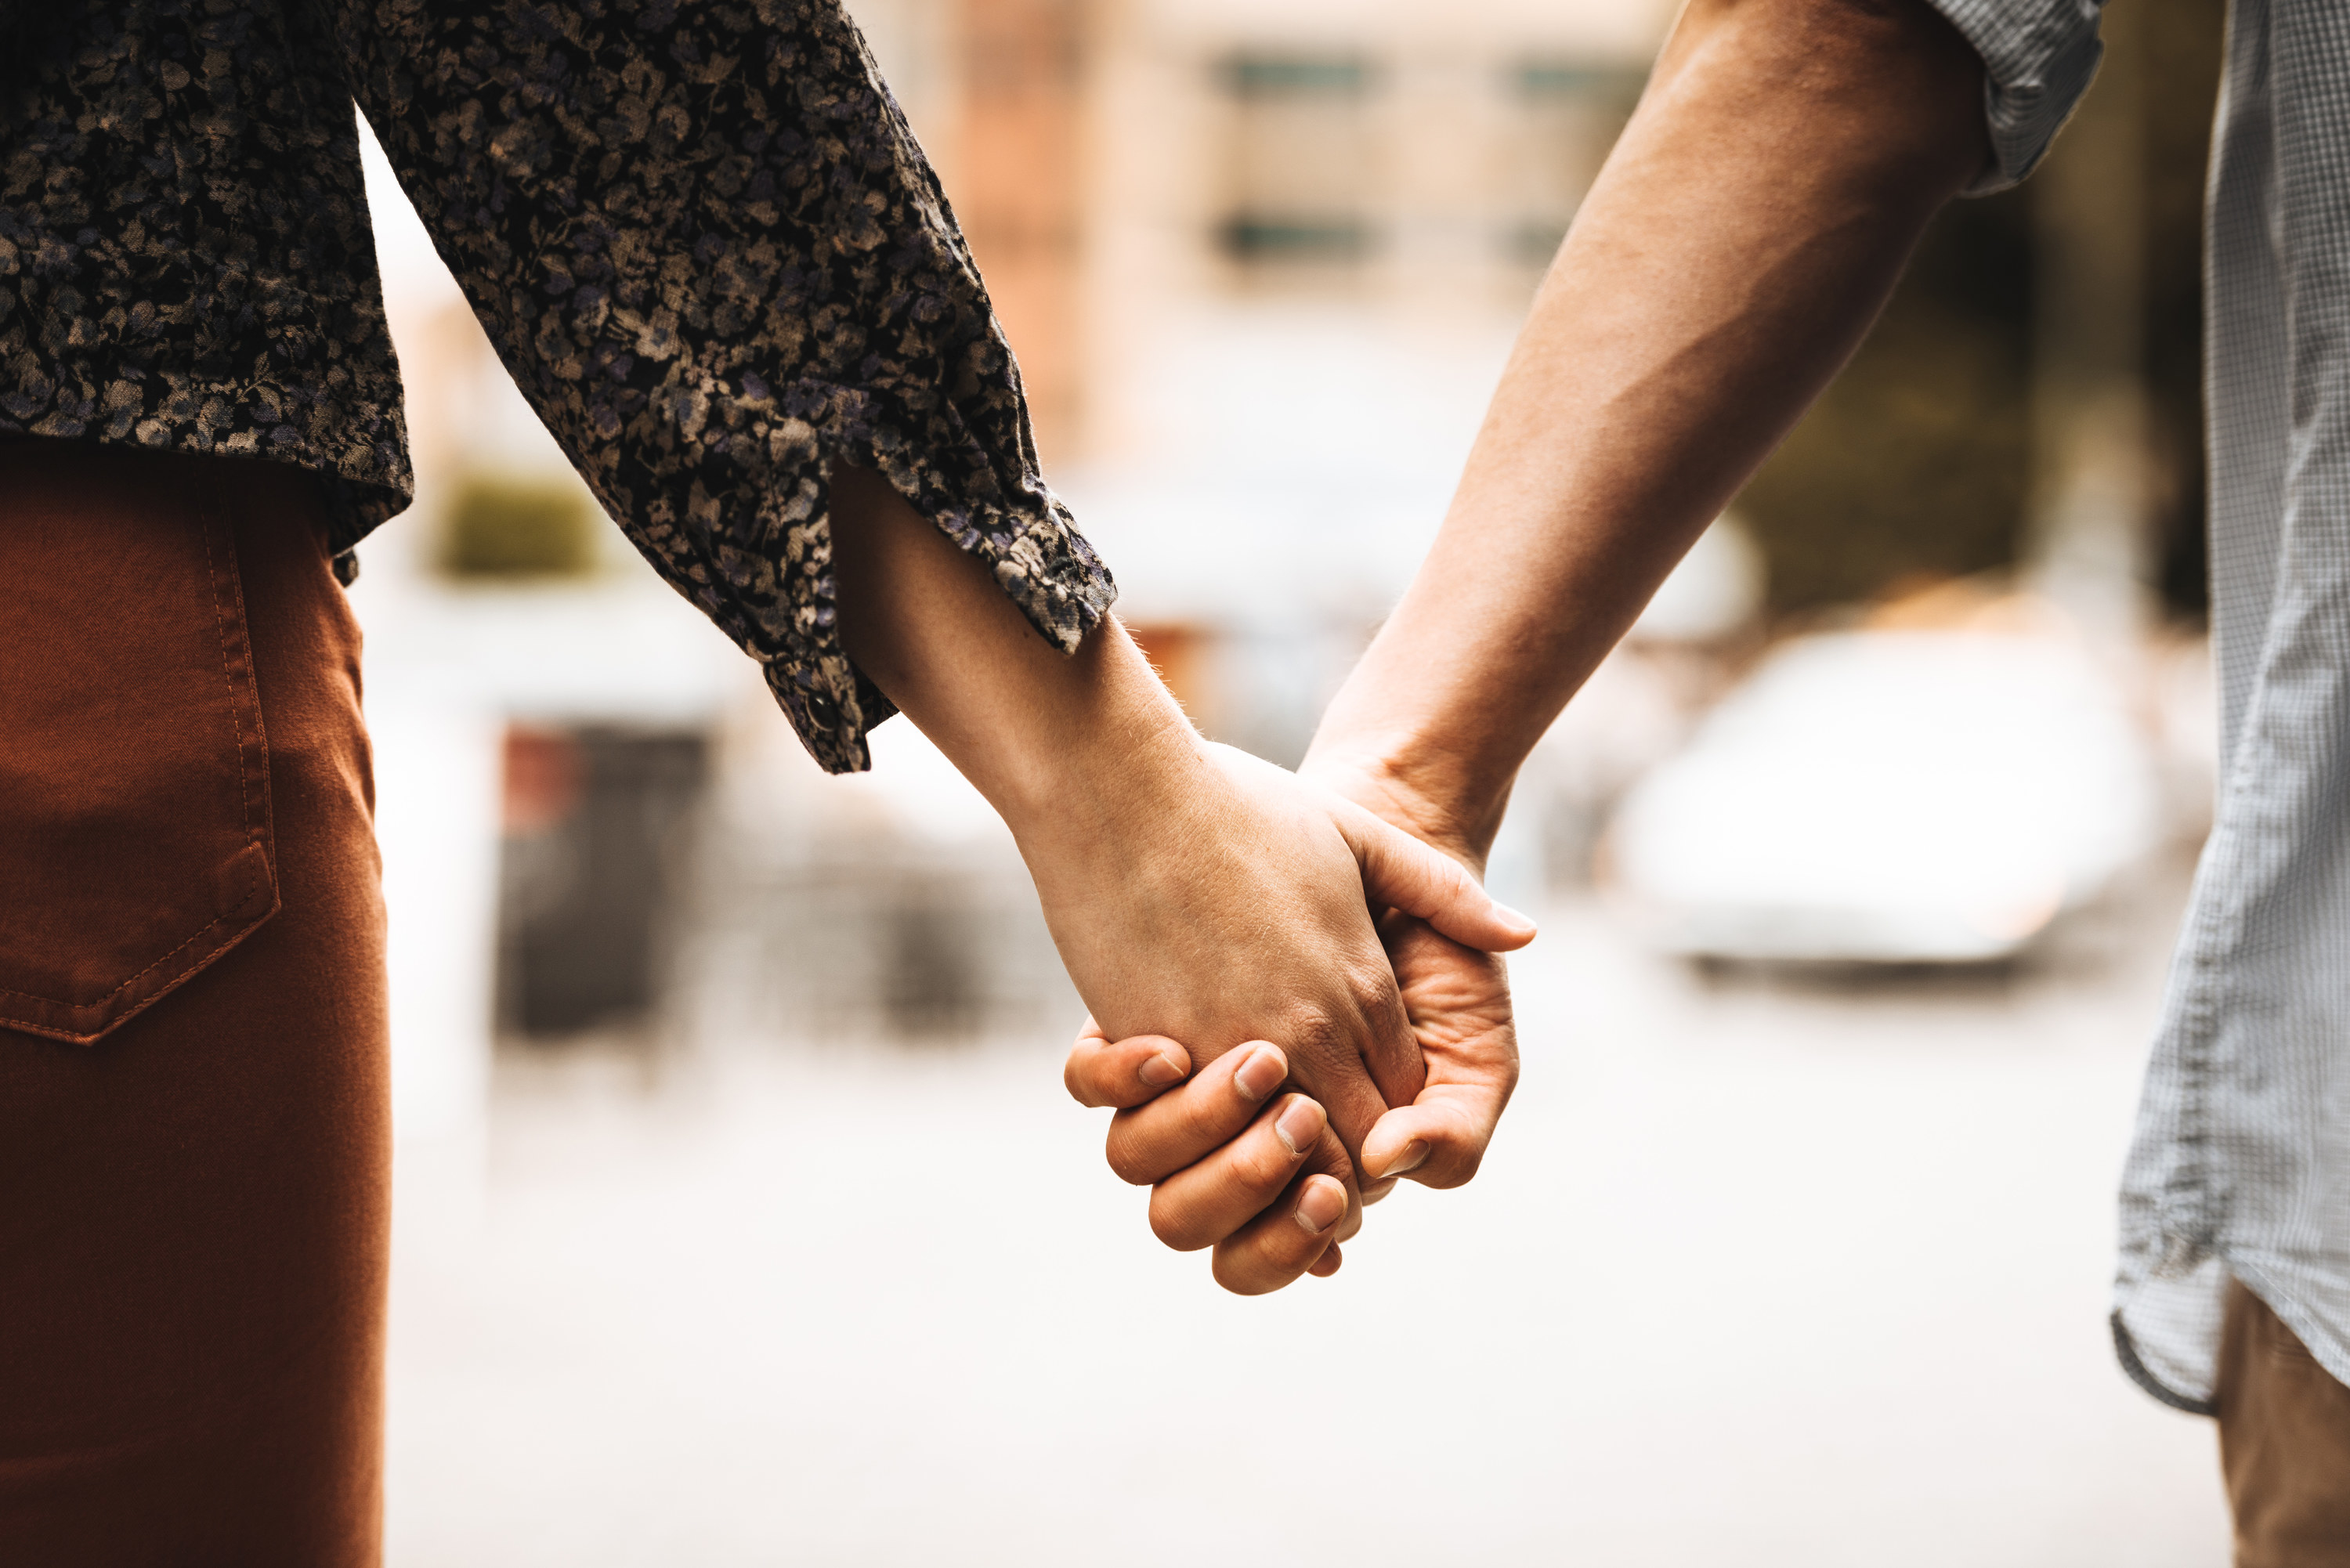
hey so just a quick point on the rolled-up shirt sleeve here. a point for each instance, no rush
(2038, 58)
(710, 252)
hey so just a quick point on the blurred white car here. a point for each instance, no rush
(1896, 796)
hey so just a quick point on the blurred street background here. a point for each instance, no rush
(741, 1216)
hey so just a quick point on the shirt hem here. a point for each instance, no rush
(2125, 1350)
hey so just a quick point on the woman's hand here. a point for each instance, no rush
(1239, 909)
(1212, 1150)
(1211, 1166)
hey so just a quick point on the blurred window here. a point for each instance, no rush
(1300, 169)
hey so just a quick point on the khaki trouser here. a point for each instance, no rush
(2284, 1443)
(193, 1121)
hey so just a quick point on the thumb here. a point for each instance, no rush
(1440, 1138)
(1400, 872)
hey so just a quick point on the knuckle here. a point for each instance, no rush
(1234, 1281)
(1458, 1171)
(1328, 1157)
(1314, 1033)
(1371, 989)
(1123, 1149)
(1370, 982)
(1262, 1165)
(1094, 1078)
(1244, 1273)
(1171, 1223)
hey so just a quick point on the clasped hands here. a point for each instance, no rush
(1262, 1133)
(1202, 897)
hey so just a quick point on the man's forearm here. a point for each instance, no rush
(1736, 249)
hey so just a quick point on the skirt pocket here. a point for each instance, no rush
(135, 843)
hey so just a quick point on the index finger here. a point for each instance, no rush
(1151, 1142)
(1460, 1001)
(1122, 1073)
(1299, 1232)
(1401, 871)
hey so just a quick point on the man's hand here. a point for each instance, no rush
(1457, 998)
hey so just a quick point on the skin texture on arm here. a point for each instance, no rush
(1736, 249)
(1193, 891)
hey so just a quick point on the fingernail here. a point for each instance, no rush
(1502, 912)
(1414, 1155)
(1260, 1073)
(1320, 1205)
(1159, 1072)
(1299, 1124)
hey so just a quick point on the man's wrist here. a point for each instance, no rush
(1408, 787)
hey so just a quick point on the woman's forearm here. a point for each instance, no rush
(1061, 745)
(1736, 249)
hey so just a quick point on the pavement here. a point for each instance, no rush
(1762, 1270)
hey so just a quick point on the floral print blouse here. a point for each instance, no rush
(698, 232)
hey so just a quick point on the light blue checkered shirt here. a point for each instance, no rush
(2241, 1162)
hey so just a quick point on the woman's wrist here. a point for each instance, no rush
(1067, 748)
(1110, 791)
(1096, 759)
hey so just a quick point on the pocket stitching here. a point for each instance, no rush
(253, 768)
(210, 927)
(215, 529)
(207, 929)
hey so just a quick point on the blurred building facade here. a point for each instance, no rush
(1123, 166)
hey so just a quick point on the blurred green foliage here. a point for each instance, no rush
(1917, 461)
(517, 528)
